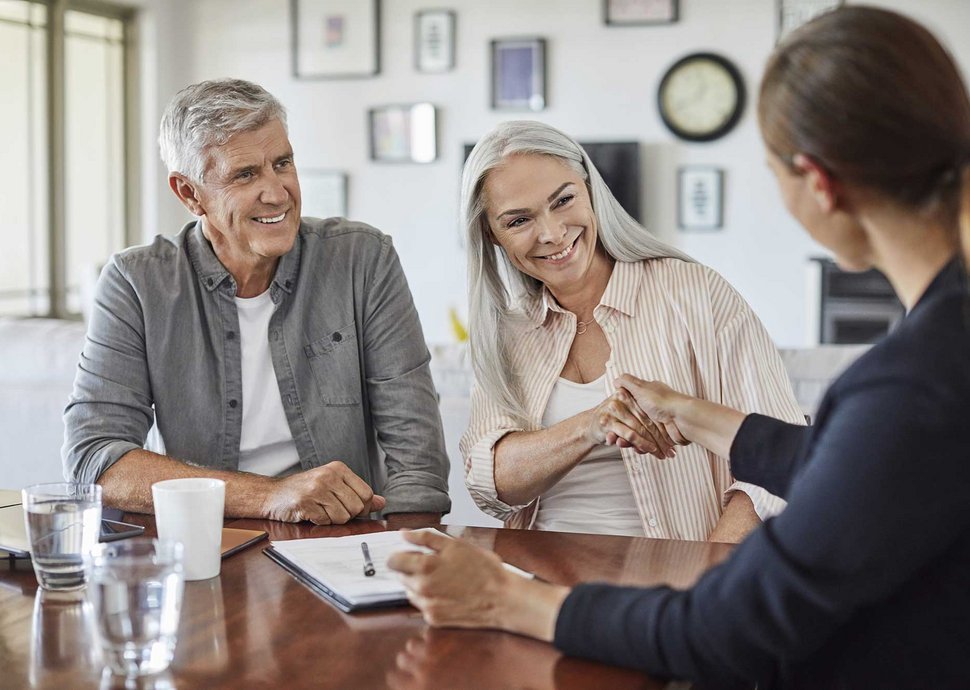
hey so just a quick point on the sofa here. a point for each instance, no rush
(38, 358)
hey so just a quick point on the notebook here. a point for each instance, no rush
(13, 529)
(333, 568)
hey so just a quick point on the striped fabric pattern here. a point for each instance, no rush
(666, 320)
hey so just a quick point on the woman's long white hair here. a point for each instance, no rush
(497, 291)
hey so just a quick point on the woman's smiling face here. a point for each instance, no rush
(539, 212)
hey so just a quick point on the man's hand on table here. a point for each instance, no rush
(328, 495)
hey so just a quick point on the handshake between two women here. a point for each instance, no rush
(640, 415)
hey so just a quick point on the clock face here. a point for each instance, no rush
(701, 97)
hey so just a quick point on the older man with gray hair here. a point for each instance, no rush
(282, 355)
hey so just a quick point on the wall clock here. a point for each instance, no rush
(701, 97)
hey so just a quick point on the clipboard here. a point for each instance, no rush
(326, 593)
(334, 568)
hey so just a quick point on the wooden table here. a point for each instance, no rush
(255, 626)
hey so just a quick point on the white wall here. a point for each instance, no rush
(601, 86)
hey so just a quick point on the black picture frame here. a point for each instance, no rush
(403, 133)
(518, 73)
(425, 57)
(324, 55)
(700, 198)
(640, 12)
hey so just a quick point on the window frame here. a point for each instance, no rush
(56, 182)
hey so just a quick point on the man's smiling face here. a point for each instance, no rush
(251, 196)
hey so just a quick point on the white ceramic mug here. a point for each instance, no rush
(191, 511)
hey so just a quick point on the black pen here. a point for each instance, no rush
(368, 563)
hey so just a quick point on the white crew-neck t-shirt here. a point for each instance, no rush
(266, 445)
(595, 496)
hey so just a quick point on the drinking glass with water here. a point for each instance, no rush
(63, 524)
(137, 590)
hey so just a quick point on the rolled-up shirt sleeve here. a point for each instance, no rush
(110, 410)
(488, 424)
(403, 403)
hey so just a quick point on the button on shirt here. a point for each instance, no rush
(667, 320)
(347, 349)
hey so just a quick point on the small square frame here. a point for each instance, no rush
(335, 39)
(700, 198)
(519, 74)
(793, 13)
(404, 133)
(324, 193)
(434, 40)
(640, 12)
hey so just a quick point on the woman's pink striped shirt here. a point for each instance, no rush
(666, 320)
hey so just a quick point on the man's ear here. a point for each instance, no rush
(822, 185)
(187, 193)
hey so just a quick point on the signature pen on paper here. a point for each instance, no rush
(368, 563)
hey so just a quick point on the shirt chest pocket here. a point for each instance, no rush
(336, 366)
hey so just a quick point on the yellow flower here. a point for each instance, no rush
(457, 327)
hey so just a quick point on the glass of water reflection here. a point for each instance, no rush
(137, 590)
(63, 524)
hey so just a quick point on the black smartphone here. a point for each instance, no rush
(113, 529)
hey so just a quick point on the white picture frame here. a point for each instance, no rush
(793, 13)
(640, 12)
(434, 40)
(403, 133)
(323, 193)
(700, 204)
(335, 39)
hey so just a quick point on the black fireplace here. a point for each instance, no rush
(855, 308)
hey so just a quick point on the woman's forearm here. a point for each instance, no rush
(531, 607)
(529, 463)
(708, 424)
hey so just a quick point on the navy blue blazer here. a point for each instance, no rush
(864, 580)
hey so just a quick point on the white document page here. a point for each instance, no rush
(338, 563)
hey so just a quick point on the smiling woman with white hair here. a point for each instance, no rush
(567, 292)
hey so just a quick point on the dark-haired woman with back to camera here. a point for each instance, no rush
(864, 580)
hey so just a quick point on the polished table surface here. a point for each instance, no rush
(255, 626)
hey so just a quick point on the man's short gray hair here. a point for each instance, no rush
(208, 114)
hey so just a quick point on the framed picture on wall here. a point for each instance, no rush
(793, 13)
(324, 193)
(638, 12)
(335, 39)
(699, 198)
(434, 40)
(403, 133)
(519, 74)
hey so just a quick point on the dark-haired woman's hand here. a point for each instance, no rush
(658, 402)
(618, 421)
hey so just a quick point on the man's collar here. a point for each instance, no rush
(288, 268)
(207, 265)
(212, 273)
